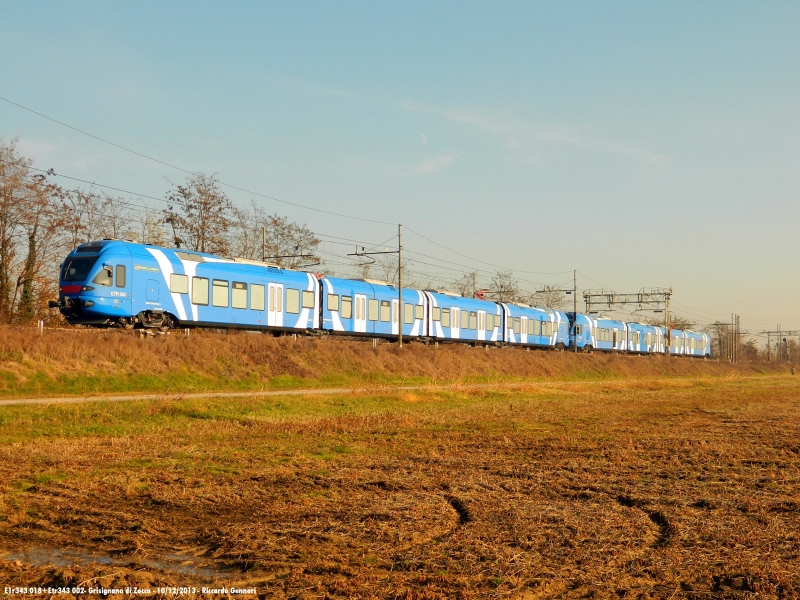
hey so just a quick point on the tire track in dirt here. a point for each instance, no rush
(665, 529)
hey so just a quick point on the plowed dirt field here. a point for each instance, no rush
(662, 488)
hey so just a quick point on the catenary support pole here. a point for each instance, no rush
(400, 315)
(575, 310)
(667, 328)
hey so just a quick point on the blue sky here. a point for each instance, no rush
(644, 144)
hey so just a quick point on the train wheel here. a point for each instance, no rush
(166, 323)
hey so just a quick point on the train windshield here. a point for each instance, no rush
(77, 269)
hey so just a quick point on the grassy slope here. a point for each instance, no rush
(89, 362)
(624, 488)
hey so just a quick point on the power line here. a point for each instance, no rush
(483, 261)
(234, 187)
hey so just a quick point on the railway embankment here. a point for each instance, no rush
(80, 361)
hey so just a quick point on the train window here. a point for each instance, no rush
(333, 301)
(464, 319)
(121, 276)
(473, 320)
(408, 315)
(386, 311)
(445, 317)
(347, 307)
(577, 329)
(548, 327)
(489, 322)
(530, 327)
(191, 257)
(516, 325)
(200, 291)
(436, 313)
(257, 297)
(76, 269)
(373, 310)
(178, 284)
(308, 299)
(419, 311)
(103, 277)
(239, 295)
(292, 301)
(219, 293)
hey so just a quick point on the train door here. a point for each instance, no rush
(360, 317)
(523, 330)
(152, 290)
(455, 320)
(395, 318)
(482, 325)
(275, 314)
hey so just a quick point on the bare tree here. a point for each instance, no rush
(257, 234)
(200, 215)
(721, 333)
(466, 285)
(85, 217)
(505, 288)
(151, 227)
(43, 222)
(118, 220)
(30, 226)
(549, 298)
(14, 171)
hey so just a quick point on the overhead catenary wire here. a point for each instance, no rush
(259, 194)
(272, 198)
(483, 261)
(190, 172)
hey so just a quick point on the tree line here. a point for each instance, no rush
(42, 221)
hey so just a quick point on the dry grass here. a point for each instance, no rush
(91, 362)
(639, 489)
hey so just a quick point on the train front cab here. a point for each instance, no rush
(695, 344)
(95, 284)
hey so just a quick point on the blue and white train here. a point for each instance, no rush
(127, 284)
